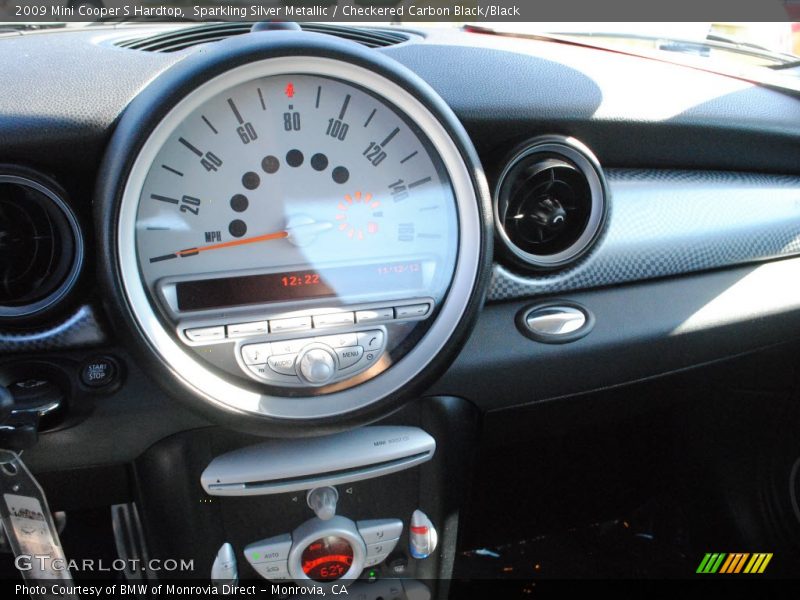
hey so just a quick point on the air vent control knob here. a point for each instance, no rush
(322, 500)
(550, 214)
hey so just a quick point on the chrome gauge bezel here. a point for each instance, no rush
(315, 529)
(223, 392)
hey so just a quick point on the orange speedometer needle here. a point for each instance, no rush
(278, 235)
(299, 234)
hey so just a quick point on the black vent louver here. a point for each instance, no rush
(37, 247)
(548, 205)
(181, 39)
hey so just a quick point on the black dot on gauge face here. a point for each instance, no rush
(270, 164)
(340, 175)
(319, 162)
(294, 158)
(237, 228)
(251, 180)
(239, 203)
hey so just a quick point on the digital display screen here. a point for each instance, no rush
(298, 285)
(327, 559)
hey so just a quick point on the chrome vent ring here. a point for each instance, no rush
(41, 246)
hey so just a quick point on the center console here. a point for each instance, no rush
(374, 509)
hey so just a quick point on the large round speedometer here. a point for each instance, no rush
(298, 228)
(294, 189)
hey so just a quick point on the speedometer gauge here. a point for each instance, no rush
(297, 225)
(295, 188)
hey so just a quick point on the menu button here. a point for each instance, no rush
(349, 356)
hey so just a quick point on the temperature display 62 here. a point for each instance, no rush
(327, 559)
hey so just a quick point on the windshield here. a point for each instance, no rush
(758, 44)
(746, 44)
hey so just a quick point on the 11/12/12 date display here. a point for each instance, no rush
(227, 292)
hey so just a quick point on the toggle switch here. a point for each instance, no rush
(224, 570)
(322, 501)
(422, 535)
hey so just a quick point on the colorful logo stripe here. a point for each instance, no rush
(735, 562)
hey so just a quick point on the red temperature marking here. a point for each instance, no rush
(309, 565)
(421, 529)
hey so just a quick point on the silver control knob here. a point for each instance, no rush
(317, 366)
(322, 500)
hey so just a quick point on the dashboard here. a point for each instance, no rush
(251, 272)
(330, 255)
(296, 233)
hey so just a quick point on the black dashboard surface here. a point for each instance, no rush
(63, 93)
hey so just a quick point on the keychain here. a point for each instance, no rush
(29, 525)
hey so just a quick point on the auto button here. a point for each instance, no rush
(269, 550)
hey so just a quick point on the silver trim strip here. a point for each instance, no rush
(666, 223)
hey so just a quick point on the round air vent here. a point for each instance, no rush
(550, 202)
(41, 249)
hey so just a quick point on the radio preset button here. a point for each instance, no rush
(349, 356)
(411, 311)
(206, 334)
(375, 315)
(291, 324)
(333, 320)
(247, 329)
(283, 363)
(371, 340)
(255, 354)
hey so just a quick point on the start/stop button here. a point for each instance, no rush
(99, 371)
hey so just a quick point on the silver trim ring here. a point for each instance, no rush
(314, 529)
(586, 162)
(71, 276)
(216, 390)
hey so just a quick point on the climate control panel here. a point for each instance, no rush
(325, 551)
